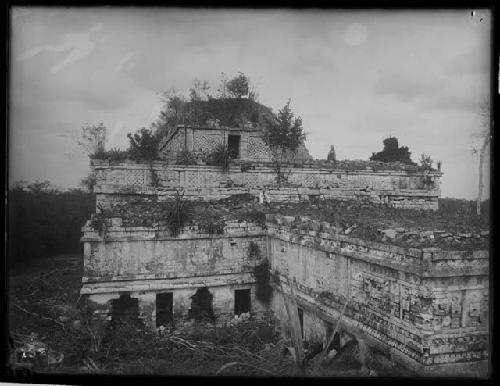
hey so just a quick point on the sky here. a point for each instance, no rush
(355, 78)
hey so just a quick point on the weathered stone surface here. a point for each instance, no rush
(444, 293)
(210, 183)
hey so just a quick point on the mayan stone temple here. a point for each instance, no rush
(424, 308)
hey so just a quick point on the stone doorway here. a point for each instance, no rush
(164, 309)
(242, 302)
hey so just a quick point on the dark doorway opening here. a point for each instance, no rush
(301, 320)
(164, 309)
(242, 302)
(201, 305)
(233, 145)
(125, 310)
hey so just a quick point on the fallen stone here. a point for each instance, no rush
(484, 233)
(389, 233)
(348, 230)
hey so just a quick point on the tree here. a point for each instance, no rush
(173, 114)
(45, 221)
(485, 138)
(198, 93)
(92, 138)
(393, 153)
(283, 135)
(143, 145)
(238, 86)
(426, 161)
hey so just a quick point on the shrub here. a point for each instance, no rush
(186, 157)
(114, 154)
(426, 161)
(178, 214)
(256, 216)
(219, 156)
(143, 145)
(393, 153)
(212, 227)
(238, 86)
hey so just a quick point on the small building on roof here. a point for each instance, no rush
(244, 143)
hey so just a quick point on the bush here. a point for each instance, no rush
(219, 157)
(212, 227)
(178, 215)
(426, 161)
(186, 157)
(114, 154)
(143, 145)
(393, 153)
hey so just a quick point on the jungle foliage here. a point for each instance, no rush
(44, 221)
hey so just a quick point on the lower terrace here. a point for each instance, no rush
(455, 226)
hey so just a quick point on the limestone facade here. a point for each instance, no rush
(202, 140)
(394, 188)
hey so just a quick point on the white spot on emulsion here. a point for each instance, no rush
(355, 34)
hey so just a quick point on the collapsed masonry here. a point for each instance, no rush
(425, 308)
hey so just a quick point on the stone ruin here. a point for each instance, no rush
(426, 309)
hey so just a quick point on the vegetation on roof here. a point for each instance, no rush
(455, 226)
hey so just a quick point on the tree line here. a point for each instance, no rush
(44, 221)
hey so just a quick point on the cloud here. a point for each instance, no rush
(463, 93)
(407, 85)
(475, 60)
(79, 46)
(125, 63)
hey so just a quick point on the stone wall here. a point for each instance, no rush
(424, 308)
(202, 140)
(144, 261)
(427, 308)
(395, 188)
